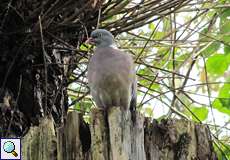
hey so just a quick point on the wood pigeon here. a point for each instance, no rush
(111, 74)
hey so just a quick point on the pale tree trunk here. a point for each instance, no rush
(110, 141)
(114, 139)
(40, 142)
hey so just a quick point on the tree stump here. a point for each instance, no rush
(169, 140)
(111, 138)
(178, 140)
(40, 142)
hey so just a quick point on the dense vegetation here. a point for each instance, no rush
(181, 49)
(182, 58)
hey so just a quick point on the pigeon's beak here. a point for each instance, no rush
(90, 40)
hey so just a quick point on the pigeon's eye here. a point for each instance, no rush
(100, 35)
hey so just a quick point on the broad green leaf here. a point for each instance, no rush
(228, 58)
(226, 49)
(222, 103)
(217, 64)
(219, 106)
(225, 91)
(200, 112)
(225, 14)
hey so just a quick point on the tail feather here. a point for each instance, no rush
(133, 102)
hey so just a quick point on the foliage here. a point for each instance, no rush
(186, 52)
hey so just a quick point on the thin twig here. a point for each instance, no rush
(209, 92)
(6, 14)
(16, 104)
(45, 65)
(98, 19)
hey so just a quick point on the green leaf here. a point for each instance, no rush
(211, 49)
(77, 106)
(225, 91)
(225, 14)
(152, 26)
(202, 35)
(159, 35)
(85, 105)
(155, 86)
(217, 64)
(226, 49)
(219, 106)
(228, 58)
(222, 103)
(200, 112)
(223, 152)
(225, 27)
(144, 71)
(84, 47)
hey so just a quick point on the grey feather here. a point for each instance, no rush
(111, 74)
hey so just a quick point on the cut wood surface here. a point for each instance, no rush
(114, 139)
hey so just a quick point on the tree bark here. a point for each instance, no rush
(179, 140)
(40, 142)
(114, 139)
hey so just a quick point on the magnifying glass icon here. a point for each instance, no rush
(9, 147)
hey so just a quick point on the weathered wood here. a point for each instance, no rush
(204, 143)
(40, 142)
(177, 139)
(116, 138)
(99, 136)
(168, 140)
(69, 144)
(126, 142)
(73, 139)
(113, 138)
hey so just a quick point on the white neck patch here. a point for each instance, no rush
(113, 46)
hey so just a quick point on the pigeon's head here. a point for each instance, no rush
(101, 38)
